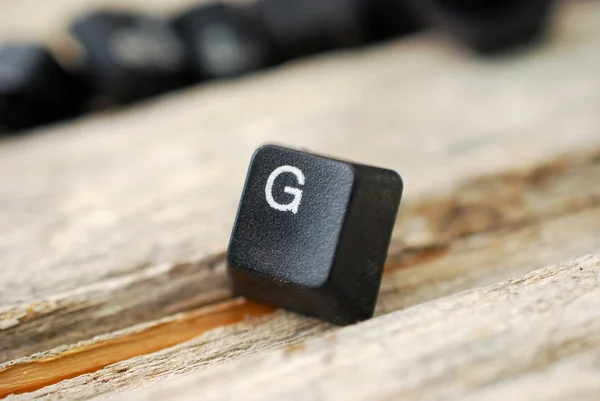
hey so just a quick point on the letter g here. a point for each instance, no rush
(292, 206)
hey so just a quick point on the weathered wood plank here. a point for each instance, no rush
(71, 216)
(558, 187)
(35, 373)
(505, 340)
(464, 264)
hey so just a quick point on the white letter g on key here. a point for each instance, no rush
(295, 204)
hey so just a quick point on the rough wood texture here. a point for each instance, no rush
(32, 373)
(467, 263)
(534, 337)
(171, 187)
(559, 187)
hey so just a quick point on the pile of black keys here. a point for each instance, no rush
(128, 56)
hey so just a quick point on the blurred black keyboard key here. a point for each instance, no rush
(130, 56)
(389, 18)
(34, 88)
(222, 40)
(312, 234)
(300, 27)
(487, 26)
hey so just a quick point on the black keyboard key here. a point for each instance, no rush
(389, 18)
(300, 27)
(130, 56)
(223, 41)
(312, 234)
(487, 26)
(34, 88)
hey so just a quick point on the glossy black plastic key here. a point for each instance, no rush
(487, 26)
(385, 19)
(223, 40)
(34, 88)
(312, 234)
(130, 56)
(300, 27)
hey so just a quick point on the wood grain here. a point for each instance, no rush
(466, 263)
(128, 220)
(83, 358)
(524, 338)
(563, 186)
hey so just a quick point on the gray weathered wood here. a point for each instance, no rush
(517, 198)
(124, 217)
(466, 263)
(534, 337)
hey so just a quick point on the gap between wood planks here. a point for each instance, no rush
(87, 358)
(32, 375)
(480, 344)
(468, 263)
(29, 375)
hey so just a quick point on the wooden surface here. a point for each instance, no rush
(467, 263)
(114, 229)
(474, 344)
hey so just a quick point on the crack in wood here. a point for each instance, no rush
(464, 265)
(30, 376)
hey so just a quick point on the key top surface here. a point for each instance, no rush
(291, 228)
